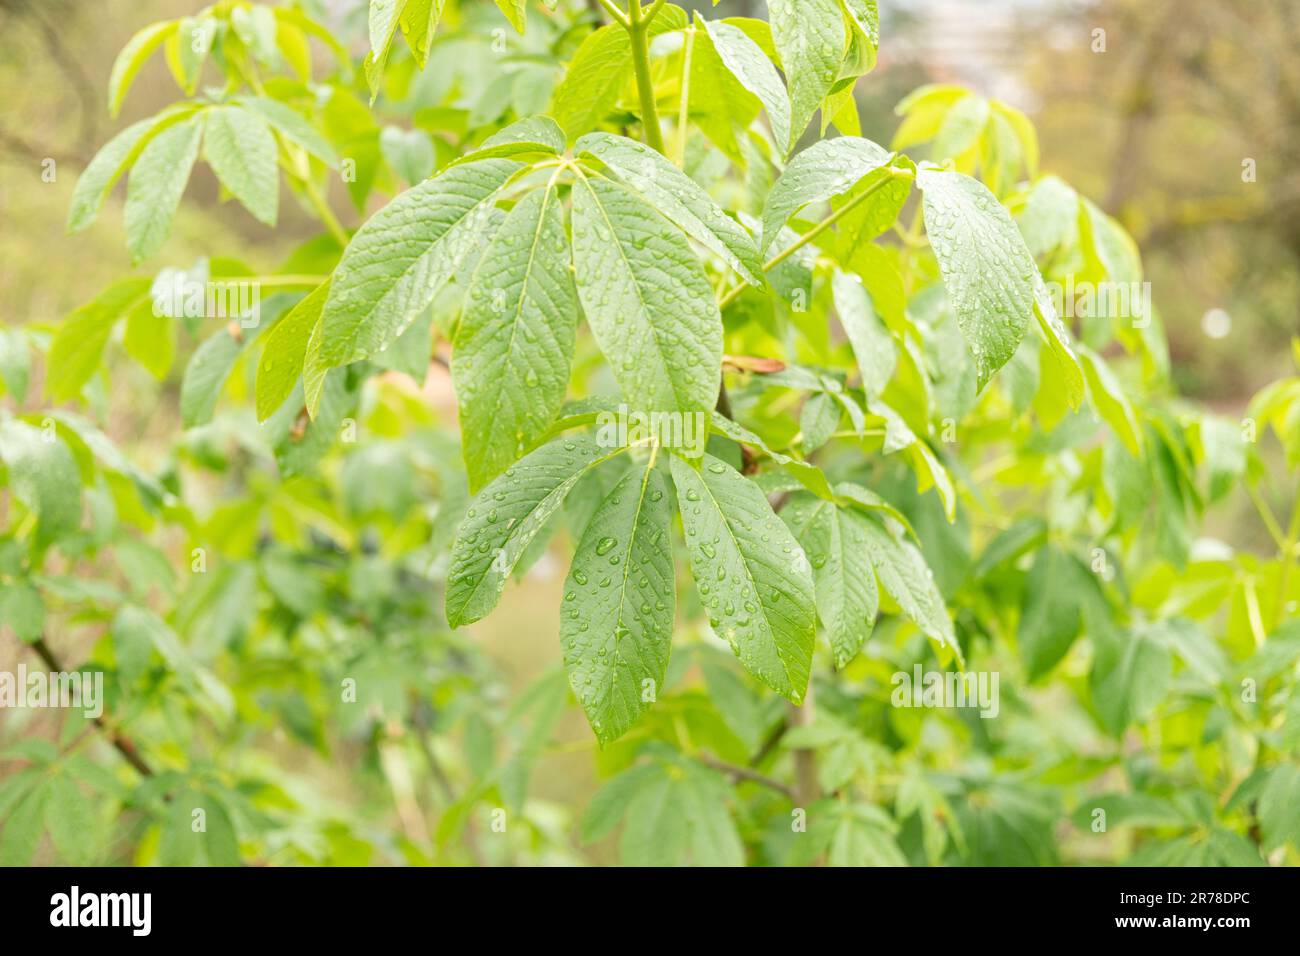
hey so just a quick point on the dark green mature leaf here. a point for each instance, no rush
(810, 37)
(506, 516)
(837, 546)
(678, 197)
(398, 260)
(515, 339)
(647, 300)
(757, 592)
(155, 186)
(987, 270)
(825, 169)
(620, 596)
(239, 146)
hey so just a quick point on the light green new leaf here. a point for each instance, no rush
(825, 169)
(873, 346)
(206, 375)
(682, 200)
(43, 475)
(515, 11)
(647, 299)
(285, 352)
(987, 270)
(79, 343)
(836, 544)
(150, 338)
(133, 57)
(506, 516)
(1066, 372)
(99, 176)
(155, 186)
(758, 594)
(1279, 807)
(1110, 401)
(240, 148)
(906, 577)
(810, 38)
(516, 337)
(750, 65)
(419, 22)
(600, 68)
(616, 623)
(398, 260)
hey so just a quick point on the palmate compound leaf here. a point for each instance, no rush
(397, 261)
(616, 622)
(514, 342)
(838, 548)
(811, 39)
(987, 269)
(750, 573)
(506, 516)
(647, 299)
(662, 185)
(825, 169)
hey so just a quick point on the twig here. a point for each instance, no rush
(745, 773)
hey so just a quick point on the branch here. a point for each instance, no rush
(745, 773)
(123, 743)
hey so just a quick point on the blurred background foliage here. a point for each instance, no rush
(1158, 127)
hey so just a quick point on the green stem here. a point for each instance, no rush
(326, 214)
(618, 15)
(683, 111)
(638, 31)
(817, 230)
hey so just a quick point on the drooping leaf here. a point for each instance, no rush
(133, 57)
(238, 145)
(616, 623)
(758, 595)
(750, 65)
(505, 517)
(825, 169)
(873, 346)
(285, 352)
(155, 186)
(987, 271)
(810, 37)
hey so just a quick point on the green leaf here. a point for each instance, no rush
(905, 576)
(409, 152)
(647, 299)
(600, 68)
(506, 516)
(241, 150)
(1110, 401)
(133, 57)
(514, 342)
(616, 626)
(155, 186)
(1066, 374)
(1050, 617)
(21, 833)
(810, 37)
(397, 262)
(69, 819)
(1130, 674)
(873, 346)
(23, 609)
(988, 272)
(206, 375)
(759, 597)
(44, 476)
(292, 126)
(836, 544)
(150, 338)
(805, 473)
(1278, 802)
(286, 351)
(101, 173)
(514, 11)
(15, 363)
(825, 169)
(818, 420)
(419, 22)
(78, 345)
(684, 202)
(750, 65)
